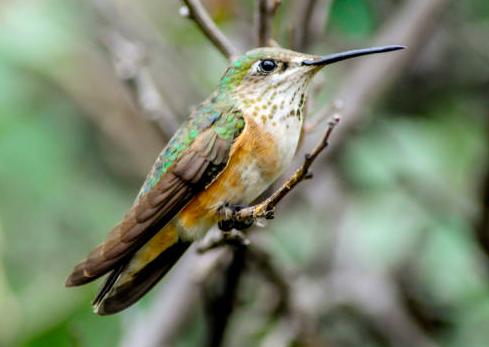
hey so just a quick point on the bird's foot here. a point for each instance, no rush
(228, 221)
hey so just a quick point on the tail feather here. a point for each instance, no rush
(120, 290)
(108, 284)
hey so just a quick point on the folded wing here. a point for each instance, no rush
(194, 168)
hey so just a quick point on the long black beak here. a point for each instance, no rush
(334, 58)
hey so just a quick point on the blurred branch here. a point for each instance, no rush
(104, 100)
(220, 296)
(482, 224)
(220, 302)
(199, 15)
(377, 297)
(130, 60)
(428, 312)
(372, 292)
(258, 257)
(266, 10)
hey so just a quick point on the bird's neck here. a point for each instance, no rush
(279, 113)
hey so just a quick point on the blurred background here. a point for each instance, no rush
(388, 245)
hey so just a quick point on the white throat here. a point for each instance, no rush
(280, 112)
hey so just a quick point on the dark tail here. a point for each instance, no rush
(115, 297)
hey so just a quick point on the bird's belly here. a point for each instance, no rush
(256, 161)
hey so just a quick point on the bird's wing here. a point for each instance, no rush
(192, 160)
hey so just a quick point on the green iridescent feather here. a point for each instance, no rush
(216, 113)
(237, 71)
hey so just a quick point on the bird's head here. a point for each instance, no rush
(275, 74)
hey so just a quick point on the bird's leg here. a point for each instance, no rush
(228, 212)
(225, 212)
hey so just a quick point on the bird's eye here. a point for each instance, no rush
(267, 65)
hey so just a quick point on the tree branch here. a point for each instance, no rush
(220, 296)
(266, 9)
(481, 225)
(199, 15)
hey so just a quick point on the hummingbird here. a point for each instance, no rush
(234, 145)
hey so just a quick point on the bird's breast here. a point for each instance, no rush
(257, 159)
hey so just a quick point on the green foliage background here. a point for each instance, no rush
(415, 171)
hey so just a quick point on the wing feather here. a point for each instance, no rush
(197, 167)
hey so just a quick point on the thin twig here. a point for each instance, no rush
(201, 17)
(266, 9)
(266, 208)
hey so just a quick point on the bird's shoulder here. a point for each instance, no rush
(215, 119)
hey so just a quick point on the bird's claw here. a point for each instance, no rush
(227, 212)
(270, 213)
